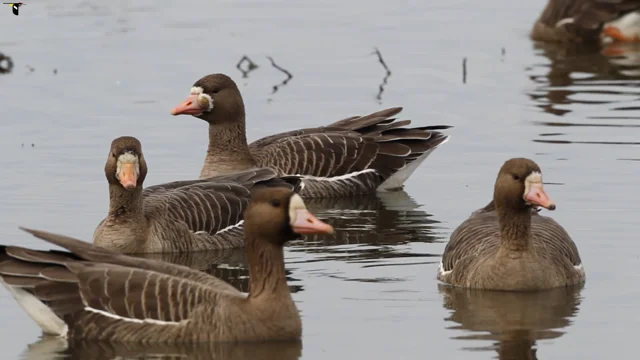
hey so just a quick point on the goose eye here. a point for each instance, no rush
(275, 202)
(515, 177)
(215, 91)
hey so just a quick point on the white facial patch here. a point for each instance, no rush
(533, 178)
(204, 100)
(128, 158)
(295, 204)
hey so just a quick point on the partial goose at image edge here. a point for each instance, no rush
(588, 22)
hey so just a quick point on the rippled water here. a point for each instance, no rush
(86, 72)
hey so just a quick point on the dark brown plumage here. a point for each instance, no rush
(509, 246)
(93, 293)
(179, 216)
(354, 156)
(584, 21)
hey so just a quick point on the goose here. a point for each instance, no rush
(507, 245)
(353, 156)
(181, 216)
(92, 293)
(588, 21)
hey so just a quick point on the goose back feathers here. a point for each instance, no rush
(88, 292)
(179, 216)
(353, 156)
(507, 245)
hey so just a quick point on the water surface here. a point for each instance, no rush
(86, 72)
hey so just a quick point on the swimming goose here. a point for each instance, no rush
(174, 217)
(354, 156)
(588, 21)
(93, 293)
(509, 246)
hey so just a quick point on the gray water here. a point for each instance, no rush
(370, 292)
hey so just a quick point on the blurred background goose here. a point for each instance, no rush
(354, 156)
(174, 217)
(588, 21)
(93, 293)
(507, 245)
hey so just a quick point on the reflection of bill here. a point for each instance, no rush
(625, 55)
(15, 7)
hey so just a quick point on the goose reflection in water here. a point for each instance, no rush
(597, 86)
(56, 348)
(512, 321)
(611, 72)
(369, 229)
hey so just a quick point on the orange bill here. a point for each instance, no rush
(616, 34)
(538, 196)
(306, 223)
(188, 107)
(128, 176)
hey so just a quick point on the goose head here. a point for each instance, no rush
(519, 186)
(125, 165)
(214, 98)
(279, 215)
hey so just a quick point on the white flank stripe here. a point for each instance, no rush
(336, 178)
(138, 321)
(221, 230)
(230, 227)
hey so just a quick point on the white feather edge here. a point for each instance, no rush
(441, 271)
(40, 313)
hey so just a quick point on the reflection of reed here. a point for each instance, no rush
(53, 348)
(371, 227)
(386, 76)
(6, 64)
(283, 70)
(514, 320)
(464, 70)
(249, 68)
